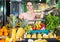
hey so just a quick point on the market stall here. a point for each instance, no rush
(45, 27)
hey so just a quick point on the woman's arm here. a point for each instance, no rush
(39, 15)
(42, 15)
(21, 17)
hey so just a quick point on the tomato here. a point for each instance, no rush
(33, 28)
(37, 28)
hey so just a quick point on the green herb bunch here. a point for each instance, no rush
(51, 22)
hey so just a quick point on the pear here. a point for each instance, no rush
(39, 36)
(44, 40)
(28, 36)
(45, 36)
(50, 35)
(38, 40)
(34, 35)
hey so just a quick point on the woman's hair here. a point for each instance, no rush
(28, 2)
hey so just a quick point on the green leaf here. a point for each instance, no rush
(51, 22)
(47, 1)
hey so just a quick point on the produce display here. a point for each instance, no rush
(38, 26)
(17, 30)
(37, 30)
(49, 35)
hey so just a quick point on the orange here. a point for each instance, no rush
(2, 40)
(1, 34)
(5, 30)
(5, 34)
(1, 30)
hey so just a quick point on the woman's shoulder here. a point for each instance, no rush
(22, 13)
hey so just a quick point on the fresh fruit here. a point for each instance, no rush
(42, 25)
(50, 35)
(14, 40)
(7, 39)
(13, 20)
(2, 40)
(39, 36)
(1, 33)
(33, 28)
(37, 28)
(27, 28)
(37, 41)
(28, 36)
(1, 30)
(44, 40)
(20, 32)
(58, 38)
(40, 40)
(13, 35)
(5, 34)
(45, 36)
(34, 35)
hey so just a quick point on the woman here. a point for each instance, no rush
(30, 14)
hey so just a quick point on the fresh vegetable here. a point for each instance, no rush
(33, 28)
(37, 28)
(51, 22)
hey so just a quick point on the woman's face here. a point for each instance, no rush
(29, 6)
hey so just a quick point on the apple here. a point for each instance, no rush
(42, 25)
